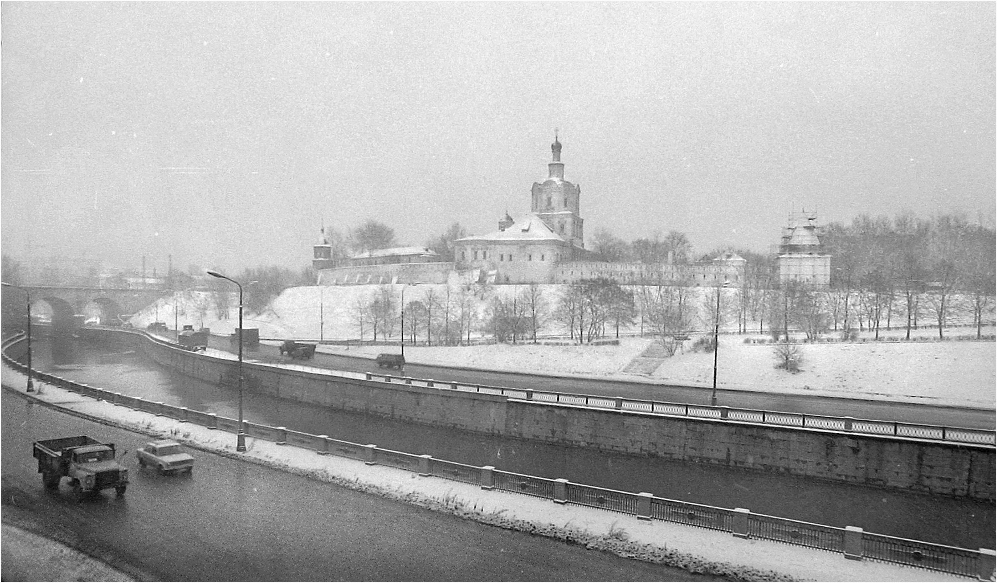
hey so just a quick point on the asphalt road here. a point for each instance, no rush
(815, 405)
(236, 521)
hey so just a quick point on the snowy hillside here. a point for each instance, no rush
(954, 372)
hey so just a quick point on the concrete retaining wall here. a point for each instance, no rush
(906, 464)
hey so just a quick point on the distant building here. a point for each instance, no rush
(801, 257)
(547, 245)
(394, 265)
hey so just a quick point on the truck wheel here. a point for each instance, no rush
(141, 462)
(120, 490)
(162, 470)
(51, 480)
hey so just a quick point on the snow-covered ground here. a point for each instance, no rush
(675, 544)
(957, 373)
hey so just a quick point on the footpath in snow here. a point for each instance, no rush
(693, 548)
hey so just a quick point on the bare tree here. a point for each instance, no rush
(444, 243)
(431, 303)
(361, 314)
(371, 235)
(537, 308)
(608, 247)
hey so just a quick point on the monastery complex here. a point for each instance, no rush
(547, 245)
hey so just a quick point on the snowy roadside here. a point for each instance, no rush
(951, 373)
(956, 373)
(689, 547)
(29, 557)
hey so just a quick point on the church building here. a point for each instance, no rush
(530, 249)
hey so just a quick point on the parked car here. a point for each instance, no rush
(166, 456)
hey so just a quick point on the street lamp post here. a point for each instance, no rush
(31, 386)
(403, 317)
(176, 318)
(321, 315)
(716, 346)
(403, 322)
(240, 444)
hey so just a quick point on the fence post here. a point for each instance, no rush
(325, 445)
(367, 374)
(986, 565)
(853, 543)
(739, 522)
(644, 505)
(560, 491)
(529, 394)
(424, 464)
(282, 436)
(619, 402)
(159, 408)
(213, 423)
(487, 477)
(115, 397)
(429, 383)
(183, 414)
(368, 454)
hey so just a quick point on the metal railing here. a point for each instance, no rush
(936, 557)
(796, 532)
(524, 484)
(692, 514)
(943, 558)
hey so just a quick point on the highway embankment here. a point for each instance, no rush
(696, 549)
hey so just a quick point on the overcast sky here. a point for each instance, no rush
(715, 119)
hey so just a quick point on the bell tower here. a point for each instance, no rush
(556, 201)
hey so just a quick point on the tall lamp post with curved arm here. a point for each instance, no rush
(716, 345)
(403, 316)
(31, 386)
(240, 444)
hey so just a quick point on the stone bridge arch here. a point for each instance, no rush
(105, 310)
(62, 312)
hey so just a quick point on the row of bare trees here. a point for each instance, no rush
(912, 260)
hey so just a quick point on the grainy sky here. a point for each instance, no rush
(227, 134)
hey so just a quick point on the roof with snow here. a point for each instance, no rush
(528, 228)
(421, 251)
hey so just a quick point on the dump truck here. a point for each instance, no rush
(88, 463)
(193, 340)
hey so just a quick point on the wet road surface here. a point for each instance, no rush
(234, 521)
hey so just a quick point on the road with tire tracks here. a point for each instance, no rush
(235, 521)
